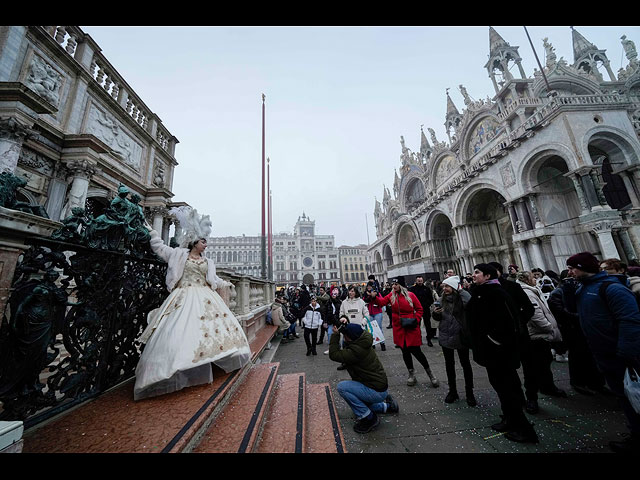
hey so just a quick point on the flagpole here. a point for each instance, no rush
(269, 259)
(263, 242)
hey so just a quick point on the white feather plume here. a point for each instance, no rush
(192, 226)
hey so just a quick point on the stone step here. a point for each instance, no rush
(284, 430)
(114, 423)
(324, 434)
(238, 426)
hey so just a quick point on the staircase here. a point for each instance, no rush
(251, 410)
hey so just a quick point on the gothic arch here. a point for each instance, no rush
(464, 200)
(387, 255)
(621, 149)
(430, 221)
(529, 168)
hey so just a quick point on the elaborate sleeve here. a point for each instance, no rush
(159, 247)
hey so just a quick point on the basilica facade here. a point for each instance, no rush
(73, 128)
(546, 168)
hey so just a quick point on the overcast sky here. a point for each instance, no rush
(337, 101)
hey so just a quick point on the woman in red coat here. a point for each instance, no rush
(405, 304)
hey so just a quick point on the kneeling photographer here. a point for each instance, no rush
(366, 392)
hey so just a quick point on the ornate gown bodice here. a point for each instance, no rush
(195, 274)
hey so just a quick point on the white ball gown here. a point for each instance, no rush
(192, 329)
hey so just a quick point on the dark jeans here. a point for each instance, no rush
(506, 382)
(529, 369)
(536, 363)
(310, 337)
(408, 352)
(450, 365)
(583, 370)
(613, 369)
(322, 332)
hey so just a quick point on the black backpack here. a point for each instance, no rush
(602, 291)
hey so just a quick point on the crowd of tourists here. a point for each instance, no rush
(587, 316)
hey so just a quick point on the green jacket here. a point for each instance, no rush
(361, 360)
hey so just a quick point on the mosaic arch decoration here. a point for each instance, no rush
(446, 167)
(483, 132)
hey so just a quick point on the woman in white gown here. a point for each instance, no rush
(192, 329)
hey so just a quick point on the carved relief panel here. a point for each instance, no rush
(110, 131)
(44, 78)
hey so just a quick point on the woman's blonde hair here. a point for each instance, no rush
(404, 292)
(524, 276)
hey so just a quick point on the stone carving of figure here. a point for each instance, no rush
(467, 98)
(44, 80)
(550, 52)
(404, 148)
(434, 140)
(629, 49)
(158, 175)
(109, 132)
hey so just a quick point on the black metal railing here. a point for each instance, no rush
(70, 327)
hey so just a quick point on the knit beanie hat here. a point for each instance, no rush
(453, 281)
(353, 330)
(399, 280)
(585, 261)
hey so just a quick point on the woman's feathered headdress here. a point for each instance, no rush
(192, 226)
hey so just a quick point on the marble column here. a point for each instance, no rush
(13, 133)
(533, 204)
(523, 214)
(627, 245)
(81, 172)
(513, 216)
(627, 178)
(590, 190)
(582, 198)
(537, 254)
(158, 218)
(605, 240)
(598, 185)
(524, 255)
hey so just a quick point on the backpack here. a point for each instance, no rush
(269, 319)
(602, 291)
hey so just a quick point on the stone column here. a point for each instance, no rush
(533, 204)
(158, 214)
(524, 256)
(13, 133)
(627, 178)
(598, 186)
(605, 240)
(627, 245)
(584, 202)
(513, 215)
(537, 254)
(523, 214)
(81, 171)
(590, 190)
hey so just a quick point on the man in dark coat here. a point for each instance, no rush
(610, 320)
(584, 376)
(425, 296)
(527, 357)
(493, 321)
